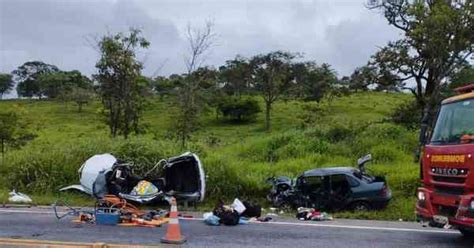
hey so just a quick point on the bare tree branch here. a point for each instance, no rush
(160, 67)
(200, 41)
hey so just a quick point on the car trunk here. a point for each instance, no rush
(184, 177)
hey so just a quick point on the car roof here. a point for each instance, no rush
(329, 171)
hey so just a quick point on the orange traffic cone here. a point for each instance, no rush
(173, 233)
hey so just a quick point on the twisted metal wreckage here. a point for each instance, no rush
(181, 177)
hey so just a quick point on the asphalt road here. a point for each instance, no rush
(34, 223)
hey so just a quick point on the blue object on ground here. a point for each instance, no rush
(212, 220)
(107, 216)
(243, 221)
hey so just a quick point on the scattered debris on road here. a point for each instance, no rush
(237, 213)
(112, 210)
(17, 197)
(312, 214)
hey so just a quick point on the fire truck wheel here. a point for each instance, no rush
(467, 233)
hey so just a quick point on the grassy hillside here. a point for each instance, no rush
(237, 157)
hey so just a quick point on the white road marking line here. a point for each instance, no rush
(361, 227)
(282, 223)
(346, 226)
(28, 212)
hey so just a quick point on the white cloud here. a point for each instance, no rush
(342, 33)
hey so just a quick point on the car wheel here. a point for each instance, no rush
(360, 206)
(467, 233)
(286, 207)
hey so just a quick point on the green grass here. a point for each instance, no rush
(237, 157)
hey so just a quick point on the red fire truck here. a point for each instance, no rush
(446, 198)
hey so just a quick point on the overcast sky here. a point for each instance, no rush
(342, 33)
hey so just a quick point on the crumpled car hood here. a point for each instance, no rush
(90, 170)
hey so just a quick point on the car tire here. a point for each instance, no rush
(286, 207)
(467, 233)
(360, 206)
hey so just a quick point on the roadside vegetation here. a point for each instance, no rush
(270, 114)
(237, 157)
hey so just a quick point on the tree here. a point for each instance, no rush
(370, 77)
(300, 74)
(236, 76)
(52, 84)
(462, 77)
(14, 130)
(238, 109)
(120, 85)
(6, 84)
(316, 81)
(162, 86)
(438, 38)
(210, 89)
(81, 96)
(362, 78)
(189, 104)
(272, 75)
(59, 85)
(27, 78)
(206, 76)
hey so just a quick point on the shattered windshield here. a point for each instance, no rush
(455, 120)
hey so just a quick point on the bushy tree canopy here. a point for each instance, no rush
(6, 84)
(120, 85)
(272, 77)
(27, 78)
(60, 84)
(438, 38)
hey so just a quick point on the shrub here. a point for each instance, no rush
(144, 154)
(312, 114)
(46, 166)
(236, 159)
(239, 110)
(407, 114)
(339, 133)
(386, 153)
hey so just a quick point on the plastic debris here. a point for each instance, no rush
(18, 197)
(238, 206)
(312, 214)
(211, 220)
(321, 217)
(243, 221)
(144, 188)
(447, 226)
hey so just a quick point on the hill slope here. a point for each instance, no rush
(237, 157)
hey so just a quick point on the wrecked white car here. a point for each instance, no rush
(181, 177)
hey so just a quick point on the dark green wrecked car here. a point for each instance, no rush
(333, 188)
